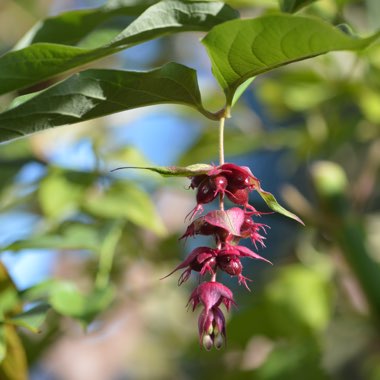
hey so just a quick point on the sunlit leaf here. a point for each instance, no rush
(9, 299)
(59, 195)
(272, 203)
(240, 90)
(95, 93)
(170, 16)
(40, 61)
(304, 293)
(67, 300)
(241, 49)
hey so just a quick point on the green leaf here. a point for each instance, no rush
(31, 319)
(172, 16)
(3, 344)
(67, 300)
(69, 28)
(58, 194)
(40, 61)
(272, 203)
(9, 299)
(240, 90)
(68, 236)
(303, 297)
(95, 93)
(107, 253)
(125, 201)
(14, 365)
(175, 171)
(292, 6)
(241, 49)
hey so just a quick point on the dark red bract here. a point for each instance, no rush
(211, 294)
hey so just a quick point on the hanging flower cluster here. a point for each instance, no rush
(227, 227)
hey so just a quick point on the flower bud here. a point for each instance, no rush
(207, 342)
(218, 341)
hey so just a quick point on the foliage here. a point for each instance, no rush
(324, 114)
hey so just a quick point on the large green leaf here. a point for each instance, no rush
(95, 93)
(241, 49)
(69, 28)
(40, 61)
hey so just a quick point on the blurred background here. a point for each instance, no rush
(95, 244)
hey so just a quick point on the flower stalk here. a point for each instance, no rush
(227, 227)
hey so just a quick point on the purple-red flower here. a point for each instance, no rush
(228, 260)
(224, 225)
(230, 179)
(201, 259)
(251, 229)
(211, 294)
(227, 227)
(211, 322)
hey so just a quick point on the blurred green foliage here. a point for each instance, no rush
(314, 315)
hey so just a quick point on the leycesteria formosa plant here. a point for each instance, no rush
(228, 227)
(43, 63)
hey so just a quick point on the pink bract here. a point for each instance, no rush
(211, 294)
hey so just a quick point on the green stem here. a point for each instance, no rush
(221, 154)
(221, 140)
(221, 162)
